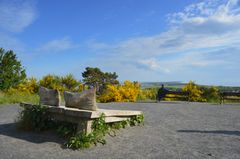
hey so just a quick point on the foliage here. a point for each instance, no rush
(211, 94)
(35, 118)
(94, 77)
(64, 83)
(29, 85)
(11, 71)
(136, 120)
(15, 96)
(195, 93)
(147, 94)
(69, 82)
(51, 82)
(100, 129)
(128, 92)
(65, 129)
(82, 140)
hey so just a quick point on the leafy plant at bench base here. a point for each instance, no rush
(137, 120)
(65, 129)
(100, 129)
(35, 118)
(82, 140)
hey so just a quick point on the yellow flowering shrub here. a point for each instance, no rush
(52, 82)
(30, 85)
(127, 92)
(70, 83)
(195, 92)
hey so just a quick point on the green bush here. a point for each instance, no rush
(147, 94)
(211, 94)
(35, 118)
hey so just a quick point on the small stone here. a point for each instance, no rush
(85, 100)
(49, 96)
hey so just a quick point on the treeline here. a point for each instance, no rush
(16, 86)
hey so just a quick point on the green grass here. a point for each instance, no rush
(17, 97)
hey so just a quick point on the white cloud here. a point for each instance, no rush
(192, 36)
(58, 45)
(16, 15)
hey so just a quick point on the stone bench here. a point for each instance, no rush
(85, 118)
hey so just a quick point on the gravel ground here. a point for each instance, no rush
(171, 130)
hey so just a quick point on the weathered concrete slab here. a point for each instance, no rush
(88, 113)
(115, 119)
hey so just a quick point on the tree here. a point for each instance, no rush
(11, 71)
(94, 77)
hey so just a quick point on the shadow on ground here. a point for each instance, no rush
(224, 132)
(162, 102)
(11, 130)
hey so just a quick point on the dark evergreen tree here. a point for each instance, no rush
(94, 77)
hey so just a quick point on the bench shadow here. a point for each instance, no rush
(224, 132)
(11, 130)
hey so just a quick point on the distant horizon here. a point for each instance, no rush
(194, 82)
(196, 40)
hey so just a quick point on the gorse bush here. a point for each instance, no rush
(128, 92)
(51, 82)
(195, 93)
(64, 83)
(30, 85)
(70, 83)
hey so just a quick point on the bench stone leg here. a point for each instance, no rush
(85, 126)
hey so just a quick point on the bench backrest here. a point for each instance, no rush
(229, 94)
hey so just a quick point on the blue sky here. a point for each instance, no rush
(140, 40)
